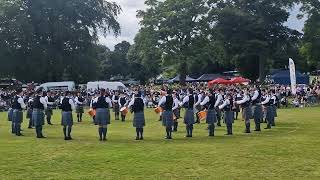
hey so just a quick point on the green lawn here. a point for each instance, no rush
(289, 151)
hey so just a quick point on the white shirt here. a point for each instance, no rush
(47, 101)
(225, 103)
(108, 100)
(207, 99)
(255, 95)
(176, 104)
(244, 99)
(44, 102)
(77, 101)
(267, 99)
(199, 99)
(162, 100)
(73, 107)
(21, 102)
(125, 104)
(114, 99)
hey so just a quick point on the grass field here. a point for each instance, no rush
(289, 151)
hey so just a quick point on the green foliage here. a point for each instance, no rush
(42, 40)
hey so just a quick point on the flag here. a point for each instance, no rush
(293, 78)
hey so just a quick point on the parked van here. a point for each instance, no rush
(58, 86)
(92, 86)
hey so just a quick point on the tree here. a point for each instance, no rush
(42, 39)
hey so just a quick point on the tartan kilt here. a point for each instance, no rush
(67, 119)
(189, 117)
(116, 107)
(102, 117)
(139, 120)
(269, 113)
(29, 113)
(49, 111)
(246, 113)
(17, 116)
(274, 109)
(176, 112)
(167, 118)
(237, 109)
(257, 112)
(79, 109)
(229, 117)
(38, 117)
(10, 114)
(218, 114)
(211, 116)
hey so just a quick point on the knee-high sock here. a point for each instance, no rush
(69, 131)
(65, 131)
(18, 128)
(138, 131)
(100, 132)
(13, 128)
(141, 132)
(49, 119)
(80, 116)
(191, 129)
(104, 132)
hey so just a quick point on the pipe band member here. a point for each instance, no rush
(188, 103)
(79, 102)
(176, 111)
(137, 106)
(123, 103)
(50, 100)
(102, 118)
(167, 115)
(246, 109)
(268, 109)
(17, 115)
(227, 107)
(67, 105)
(29, 111)
(211, 102)
(39, 106)
(257, 108)
(116, 107)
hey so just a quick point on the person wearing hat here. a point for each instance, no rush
(137, 106)
(79, 102)
(246, 109)
(188, 103)
(267, 103)
(39, 105)
(67, 105)
(17, 115)
(227, 108)
(102, 118)
(211, 102)
(219, 98)
(29, 111)
(116, 107)
(50, 100)
(167, 115)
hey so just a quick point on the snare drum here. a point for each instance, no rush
(92, 112)
(124, 111)
(202, 115)
(158, 110)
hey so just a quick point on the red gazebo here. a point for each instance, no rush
(239, 80)
(218, 81)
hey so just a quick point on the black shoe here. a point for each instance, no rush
(41, 137)
(141, 138)
(30, 128)
(70, 138)
(66, 138)
(19, 134)
(137, 138)
(50, 124)
(100, 139)
(211, 135)
(257, 130)
(104, 139)
(267, 128)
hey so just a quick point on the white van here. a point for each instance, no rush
(92, 86)
(58, 86)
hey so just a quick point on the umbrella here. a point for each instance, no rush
(238, 80)
(219, 81)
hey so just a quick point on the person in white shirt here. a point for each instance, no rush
(79, 103)
(227, 107)
(167, 116)
(267, 104)
(176, 111)
(246, 109)
(123, 102)
(39, 106)
(67, 106)
(116, 107)
(17, 116)
(188, 103)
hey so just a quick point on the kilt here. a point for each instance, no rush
(189, 117)
(237, 108)
(229, 117)
(139, 120)
(17, 116)
(269, 113)
(167, 118)
(257, 112)
(247, 113)
(49, 111)
(211, 116)
(67, 119)
(274, 109)
(218, 114)
(38, 117)
(176, 112)
(116, 107)
(79, 109)
(29, 113)
(102, 117)
(10, 114)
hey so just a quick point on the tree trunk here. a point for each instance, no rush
(183, 72)
(262, 69)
